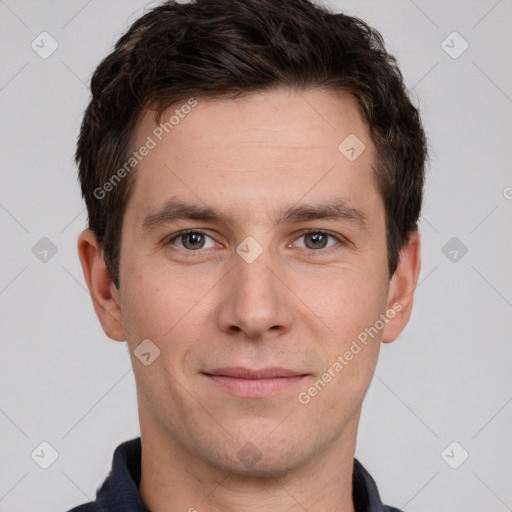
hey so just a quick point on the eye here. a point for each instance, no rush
(191, 240)
(315, 239)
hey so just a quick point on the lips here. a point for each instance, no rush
(244, 373)
(247, 383)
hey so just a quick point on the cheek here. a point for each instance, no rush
(168, 311)
(154, 302)
(349, 305)
(347, 301)
(349, 352)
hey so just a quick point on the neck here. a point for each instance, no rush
(174, 479)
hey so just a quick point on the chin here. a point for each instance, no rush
(263, 458)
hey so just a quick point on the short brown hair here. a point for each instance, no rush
(228, 48)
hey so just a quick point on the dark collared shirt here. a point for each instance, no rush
(120, 491)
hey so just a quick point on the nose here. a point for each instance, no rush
(255, 301)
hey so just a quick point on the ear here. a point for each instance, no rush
(402, 287)
(104, 294)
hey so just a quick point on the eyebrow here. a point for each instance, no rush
(337, 210)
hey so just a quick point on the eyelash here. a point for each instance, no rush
(338, 238)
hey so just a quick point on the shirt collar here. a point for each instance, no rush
(120, 490)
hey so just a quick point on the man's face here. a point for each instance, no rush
(251, 290)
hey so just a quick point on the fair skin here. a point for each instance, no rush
(298, 305)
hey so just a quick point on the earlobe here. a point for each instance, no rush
(104, 295)
(402, 288)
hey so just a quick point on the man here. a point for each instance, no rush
(253, 173)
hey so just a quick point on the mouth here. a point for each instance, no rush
(249, 383)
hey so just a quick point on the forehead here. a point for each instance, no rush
(255, 154)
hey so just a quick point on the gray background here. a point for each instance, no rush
(447, 378)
